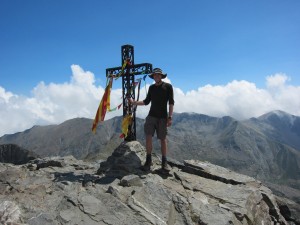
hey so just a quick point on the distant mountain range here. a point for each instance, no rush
(267, 147)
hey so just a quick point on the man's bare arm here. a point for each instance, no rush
(133, 102)
(171, 107)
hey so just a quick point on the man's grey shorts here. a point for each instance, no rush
(159, 125)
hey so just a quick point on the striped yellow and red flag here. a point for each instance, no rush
(104, 106)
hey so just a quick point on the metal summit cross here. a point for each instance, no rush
(128, 71)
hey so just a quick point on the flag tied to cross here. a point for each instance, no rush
(104, 107)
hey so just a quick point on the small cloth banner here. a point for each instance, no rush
(127, 120)
(103, 106)
(114, 109)
(123, 68)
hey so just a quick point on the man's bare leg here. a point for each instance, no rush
(149, 144)
(163, 143)
(165, 165)
(148, 163)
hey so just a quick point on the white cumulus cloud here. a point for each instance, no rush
(241, 99)
(54, 103)
(277, 80)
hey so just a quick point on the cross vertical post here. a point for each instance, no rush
(128, 74)
(127, 88)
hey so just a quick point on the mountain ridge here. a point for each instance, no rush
(281, 126)
(249, 147)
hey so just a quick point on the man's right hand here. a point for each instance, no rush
(130, 100)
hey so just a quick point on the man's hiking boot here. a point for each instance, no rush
(165, 166)
(147, 166)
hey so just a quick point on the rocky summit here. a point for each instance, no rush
(64, 190)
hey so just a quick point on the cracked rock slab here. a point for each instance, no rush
(68, 191)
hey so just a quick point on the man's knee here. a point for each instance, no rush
(148, 137)
(163, 140)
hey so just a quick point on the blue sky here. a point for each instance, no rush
(223, 57)
(196, 42)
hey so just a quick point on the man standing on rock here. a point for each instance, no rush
(158, 119)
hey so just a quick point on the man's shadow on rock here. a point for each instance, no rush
(162, 173)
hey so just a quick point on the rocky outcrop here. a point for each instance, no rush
(289, 209)
(64, 190)
(11, 153)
